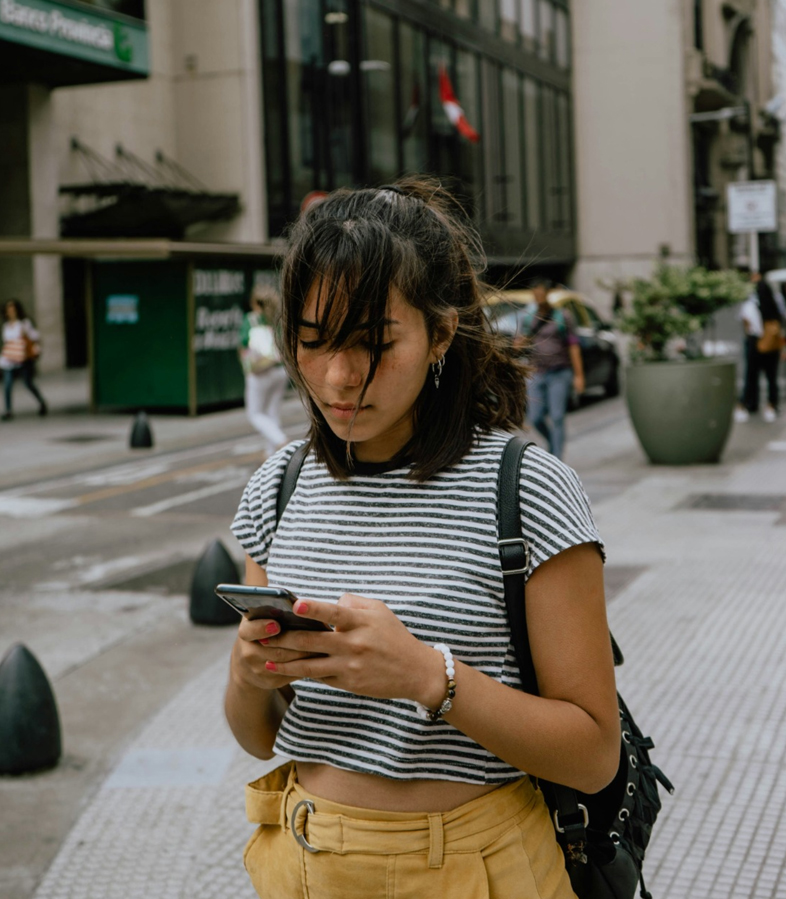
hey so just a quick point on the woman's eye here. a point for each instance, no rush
(312, 344)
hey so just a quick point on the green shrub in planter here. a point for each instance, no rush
(681, 410)
(677, 302)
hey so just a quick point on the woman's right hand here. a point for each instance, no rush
(250, 654)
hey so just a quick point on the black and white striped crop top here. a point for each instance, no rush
(428, 550)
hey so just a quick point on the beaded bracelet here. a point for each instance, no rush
(447, 703)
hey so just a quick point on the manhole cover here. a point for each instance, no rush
(81, 438)
(734, 502)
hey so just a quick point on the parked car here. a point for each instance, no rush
(599, 352)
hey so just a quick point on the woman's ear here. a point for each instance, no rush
(444, 333)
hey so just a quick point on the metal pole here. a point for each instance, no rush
(754, 251)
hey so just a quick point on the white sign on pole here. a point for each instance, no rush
(752, 206)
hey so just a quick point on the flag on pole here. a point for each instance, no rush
(453, 110)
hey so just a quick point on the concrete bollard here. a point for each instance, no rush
(141, 434)
(29, 722)
(215, 566)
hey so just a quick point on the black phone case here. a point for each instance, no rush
(257, 602)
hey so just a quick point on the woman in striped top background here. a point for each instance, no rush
(405, 735)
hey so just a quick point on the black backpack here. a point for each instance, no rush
(603, 835)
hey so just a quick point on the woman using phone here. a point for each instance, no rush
(409, 734)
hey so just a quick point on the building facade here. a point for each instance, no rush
(596, 139)
(673, 101)
(268, 101)
(352, 95)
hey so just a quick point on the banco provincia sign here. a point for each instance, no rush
(72, 30)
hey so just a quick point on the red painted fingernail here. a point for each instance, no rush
(271, 666)
(301, 607)
(264, 642)
(271, 628)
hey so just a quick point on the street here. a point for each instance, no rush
(148, 798)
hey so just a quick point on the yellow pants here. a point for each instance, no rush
(500, 846)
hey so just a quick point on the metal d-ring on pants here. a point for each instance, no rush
(501, 844)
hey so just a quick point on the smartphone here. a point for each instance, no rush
(268, 602)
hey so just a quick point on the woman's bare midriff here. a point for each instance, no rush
(385, 794)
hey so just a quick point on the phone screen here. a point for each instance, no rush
(267, 602)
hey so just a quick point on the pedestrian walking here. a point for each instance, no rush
(553, 351)
(405, 722)
(266, 378)
(762, 323)
(20, 351)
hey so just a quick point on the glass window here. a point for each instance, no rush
(562, 39)
(508, 27)
(556, 160)
(487, 14)
(532, 153)
(493, 164)
(443, 134)
(511, 182)
(546, 26)
(414, 123)
(528, 24)
(564, 173)
(377, 72)
(275, 130)
(470, 155)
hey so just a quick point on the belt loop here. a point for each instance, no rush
(291, 780)
(436, 841)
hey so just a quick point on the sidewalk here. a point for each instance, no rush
(696, 575)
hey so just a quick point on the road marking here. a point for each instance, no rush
(184, 498)
(174, 475)
(777, 446)
(32, 507)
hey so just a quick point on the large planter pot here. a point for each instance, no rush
(682, 411)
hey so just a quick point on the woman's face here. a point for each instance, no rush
(384, 422)
(10, 312)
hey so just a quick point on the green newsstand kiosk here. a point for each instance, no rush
(163, 333)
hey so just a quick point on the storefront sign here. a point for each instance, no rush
(122, 309)
(58, 27)
(220, 295)
(752, 206)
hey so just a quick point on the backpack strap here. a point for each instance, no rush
(289, 479)
(514, 555)
(570, 817)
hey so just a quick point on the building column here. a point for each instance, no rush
(29, 208)
(634, 192)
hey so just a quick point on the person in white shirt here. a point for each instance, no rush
(760, 307)
(18, 356)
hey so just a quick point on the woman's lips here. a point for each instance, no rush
(345, 411)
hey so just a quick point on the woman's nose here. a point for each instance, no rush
(347, 368)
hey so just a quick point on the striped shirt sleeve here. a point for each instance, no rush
(555, 510)
(255, 521)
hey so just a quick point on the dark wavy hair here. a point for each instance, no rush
(358, 244)
(20, 309)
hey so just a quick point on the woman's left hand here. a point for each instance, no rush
(369, 652)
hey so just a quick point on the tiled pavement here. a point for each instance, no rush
(700, 616)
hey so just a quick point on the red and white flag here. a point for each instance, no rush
(453, 110)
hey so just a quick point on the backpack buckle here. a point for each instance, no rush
(513, 557)
(585, 813)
